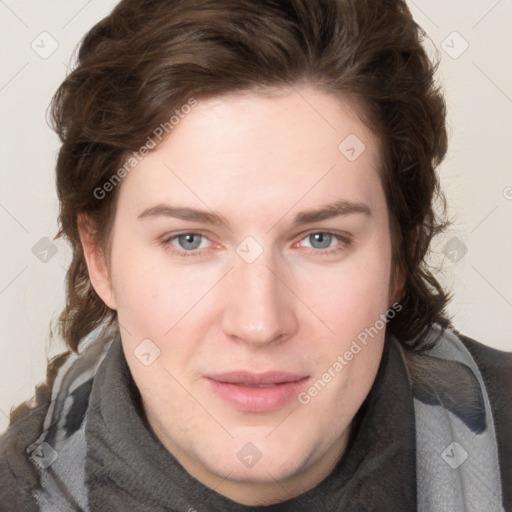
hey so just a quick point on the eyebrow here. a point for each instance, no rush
(328, 211)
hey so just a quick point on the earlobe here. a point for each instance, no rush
(96, 263)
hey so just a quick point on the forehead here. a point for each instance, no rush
(260, 154)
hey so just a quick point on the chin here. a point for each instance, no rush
(259, 462)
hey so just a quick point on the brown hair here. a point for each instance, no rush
(147, 59)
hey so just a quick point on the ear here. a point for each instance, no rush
(96, 263)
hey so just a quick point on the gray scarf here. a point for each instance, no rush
(423, 440)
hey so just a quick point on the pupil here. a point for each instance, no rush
(188, 239)
(323, 238)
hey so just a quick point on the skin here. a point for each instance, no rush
(257, 160)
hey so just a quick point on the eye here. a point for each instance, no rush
(321, 238)
(189, 242)
(321, 241)
(193, 244)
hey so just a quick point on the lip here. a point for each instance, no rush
(240, 389)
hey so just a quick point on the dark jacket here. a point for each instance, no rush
(18, 476)
(496, 369)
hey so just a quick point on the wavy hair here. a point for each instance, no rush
(147, 59)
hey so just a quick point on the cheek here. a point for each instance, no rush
(143, 290)
(152, 294)
(353, 292)
(351, 303)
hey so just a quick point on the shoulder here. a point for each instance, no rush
(488, 357)
(496, 369)
(17, 472)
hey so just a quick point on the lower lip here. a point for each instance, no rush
(251, 399)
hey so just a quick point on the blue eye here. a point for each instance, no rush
(321, 242)
(324, 239)
(189, 243)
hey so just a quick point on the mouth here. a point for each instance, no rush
(258, 393)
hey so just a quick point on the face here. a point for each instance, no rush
(251, 314)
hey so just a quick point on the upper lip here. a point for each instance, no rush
(255, 379)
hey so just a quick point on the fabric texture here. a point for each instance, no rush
(432, 435)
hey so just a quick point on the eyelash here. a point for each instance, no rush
(345, 244)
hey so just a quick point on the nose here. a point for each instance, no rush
(259, 306)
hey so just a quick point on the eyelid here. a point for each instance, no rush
(167, 240)
(333, 232)
(345, 239)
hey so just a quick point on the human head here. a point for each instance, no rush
(144, 64)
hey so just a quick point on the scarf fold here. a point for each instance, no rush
(419, 441)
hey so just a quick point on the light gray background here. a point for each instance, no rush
(476, 174)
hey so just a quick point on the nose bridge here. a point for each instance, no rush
(258, 308)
